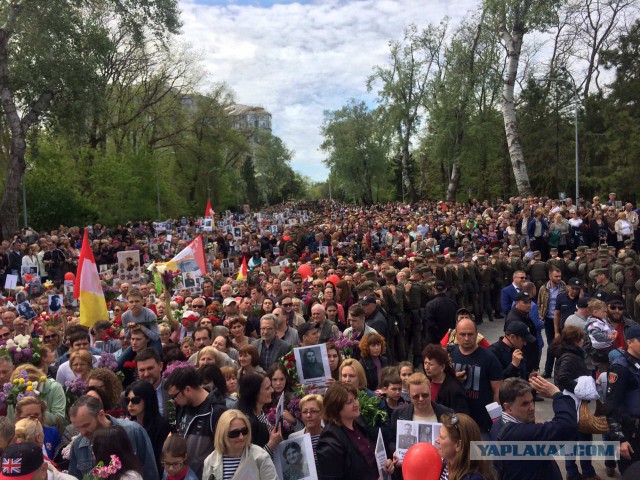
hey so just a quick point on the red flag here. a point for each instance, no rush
(243, 269)
(208, 211)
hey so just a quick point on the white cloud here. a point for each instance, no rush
(297, 60)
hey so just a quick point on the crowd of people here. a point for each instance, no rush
(186, 376)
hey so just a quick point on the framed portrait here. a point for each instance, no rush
(55, 303)
(129, 269)
(312, 364)
(25, 310)
(207, 225)
(408, 433)
(294, 460)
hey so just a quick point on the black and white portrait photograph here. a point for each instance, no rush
(294, 459)
(425, 433)
(237, 232)
(25, 310)
(409, 433)
(55, 303)
(407, 436)
(312, 364)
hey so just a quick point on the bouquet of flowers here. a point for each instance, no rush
(370, 409)
(108, 361)
(291, 405)
(19, 388)
(174, 366)
(289, 362)
(73, 390)
(102, 471)
(190, 319)
(346, 345)
(22, 349)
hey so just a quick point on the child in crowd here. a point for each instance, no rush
(174, 459)
(601, 334)
(406, 370)
(391, 386)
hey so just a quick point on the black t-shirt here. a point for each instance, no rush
(482, 368)
(566, 306)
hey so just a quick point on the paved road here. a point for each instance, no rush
(492, 331)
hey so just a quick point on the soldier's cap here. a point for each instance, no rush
(566, 253)
(368, 300)
(628, 261)
(603, 256)
(612, 248)
(306, 327)
(463, 311)
(600, 295)
(440, 286)
(592, 251)
(615, 299)
(537, 254)
(583, 302)
(495, 250)
(574, 283)
(632, 332)
(581, 248)
(628, 242)
(481, 259)
(600, 271)
(520, 329)
(523, 297)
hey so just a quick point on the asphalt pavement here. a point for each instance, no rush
(492, 331)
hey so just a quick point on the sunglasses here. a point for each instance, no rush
(135, 400)
(49, 337)
(616, 307)
(236, 433)
(172, 465)
(285, 305)
(419, 396)
(5, 335)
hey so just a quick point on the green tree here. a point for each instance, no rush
(48, 52)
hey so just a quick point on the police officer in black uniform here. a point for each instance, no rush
(622, 405)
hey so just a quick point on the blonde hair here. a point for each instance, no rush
(357, 367)
(82, 355)
(29, 430)
(221, 439)
(417, 379)
(313, 397)
(212, 351)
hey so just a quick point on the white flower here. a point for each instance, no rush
(18, 349)
(22, 340)
(11, 343)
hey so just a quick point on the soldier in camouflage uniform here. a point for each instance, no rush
(631, 277)
(471, 287)
(502, 279)
(537, 270)
(487, 276)
(603, 283)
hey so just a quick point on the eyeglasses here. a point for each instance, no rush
(174, 395)
(198, 306)
(616, 307)
(310, 412)
(5, 335)
(172, 464)
(46, 337)
(297, 282)
(135, 400)
(419, 396)
(236, 433)
(287, 305)
(117, 310)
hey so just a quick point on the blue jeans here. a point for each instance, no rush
(585, 464)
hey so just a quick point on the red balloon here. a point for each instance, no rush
(305, 271)
(69, 276)
(334, 279)
(422, 462)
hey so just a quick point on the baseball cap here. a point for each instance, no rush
(228, 301)
(523, 297)
(574, 283)
(583, 302)
(188, 313)
(20, 461)
(463, 311)
(632, 332)
(615, 298)
(306, 327)
(520, 329)
(369, 299)
(440, 286)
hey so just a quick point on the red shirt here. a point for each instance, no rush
(620, 342)
(435, 389)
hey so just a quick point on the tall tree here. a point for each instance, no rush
(47, 57)
(513, 19)
(405, 86)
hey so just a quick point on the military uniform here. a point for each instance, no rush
(622, 406)
(503, 278)
(487, 275)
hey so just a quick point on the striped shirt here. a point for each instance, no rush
(229, 466)
(314, 444)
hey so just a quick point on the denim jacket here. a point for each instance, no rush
(81, 460)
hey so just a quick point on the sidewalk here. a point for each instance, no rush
(492, 331)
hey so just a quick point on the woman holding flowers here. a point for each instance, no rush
(114, 453)
(282, 383)
(29, 381)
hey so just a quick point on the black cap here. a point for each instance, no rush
(600, 295)
(21, 460)
(368, 300)
(520, 329)
(440, 286)
(574, 283)
(523, 297)
(632, 332)
(614, 298)
(583, 302)
(306, 327)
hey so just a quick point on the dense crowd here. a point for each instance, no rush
(326, 326)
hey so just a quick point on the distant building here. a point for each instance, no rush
(247, 119)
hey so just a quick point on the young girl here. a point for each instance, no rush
(112, 447)
(174, 459)
(406, 370)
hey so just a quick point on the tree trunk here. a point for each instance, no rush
(513, 43)
(452, 189)
(406, 179)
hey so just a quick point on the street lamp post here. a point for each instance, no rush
(576, 99)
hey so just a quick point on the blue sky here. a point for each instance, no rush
(298, 59)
